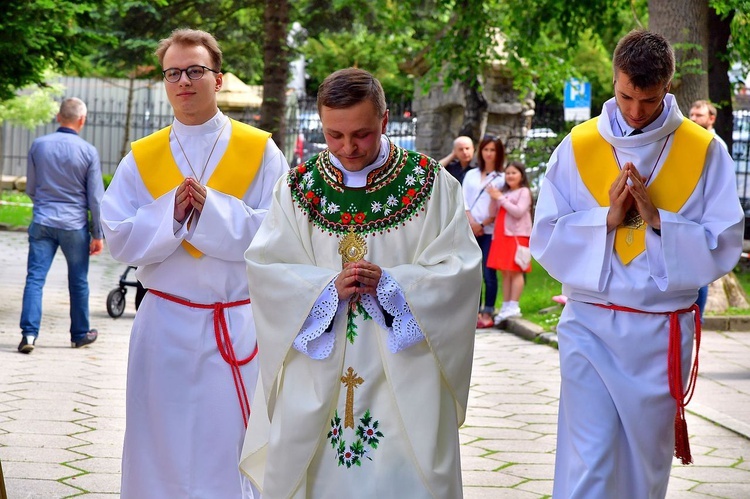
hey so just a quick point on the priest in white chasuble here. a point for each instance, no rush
(365, 278)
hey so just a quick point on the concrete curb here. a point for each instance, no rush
(529, 331)
(719, 418)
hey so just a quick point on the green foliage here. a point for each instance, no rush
(359, 48)
(33, 106)
(593, 63)
(457, 40)
(379, 36)
(739, 42)
(133, 29)
(685, 61)
(17, 211)
(536, 152)
(537, 296)
(38, 35)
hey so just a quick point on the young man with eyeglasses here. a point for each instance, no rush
(638, 210)
(183, 206)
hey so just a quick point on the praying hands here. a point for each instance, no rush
(190, 195)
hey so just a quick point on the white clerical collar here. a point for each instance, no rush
(359, 178)
(610, 128)
(212, 125)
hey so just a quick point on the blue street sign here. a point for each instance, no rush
(577, 100)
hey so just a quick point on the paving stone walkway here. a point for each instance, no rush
(62, 412)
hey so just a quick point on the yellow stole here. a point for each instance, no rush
(670, 189)
(232, 175)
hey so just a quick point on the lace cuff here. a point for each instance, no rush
(402, 327)
(315, 339)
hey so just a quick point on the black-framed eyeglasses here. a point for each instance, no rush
(173, 75)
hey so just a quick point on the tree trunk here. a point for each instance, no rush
(724, 293)
(128, 116)
(475, 112)
(719, 87)
(276, 70)
(685, 25)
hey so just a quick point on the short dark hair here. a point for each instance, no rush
(190, 38)
(348, 87)
(647, 58)
(499, 154)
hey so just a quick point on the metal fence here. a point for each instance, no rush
(111, 127)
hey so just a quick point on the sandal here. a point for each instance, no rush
(485, 323)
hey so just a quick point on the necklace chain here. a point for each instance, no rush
(203, 171)
(653, 169)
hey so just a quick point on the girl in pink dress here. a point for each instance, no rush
(512, 227)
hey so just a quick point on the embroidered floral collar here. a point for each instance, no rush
(394, 193)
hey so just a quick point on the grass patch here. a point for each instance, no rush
(743, 275)
(18, 212)
(540, 288)
(537, 296)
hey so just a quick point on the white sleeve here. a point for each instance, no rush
(403, 331)
(316, 340)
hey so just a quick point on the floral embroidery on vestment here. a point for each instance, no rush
(394, 193)
(368, 437)
(354, 309)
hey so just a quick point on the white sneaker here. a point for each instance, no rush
(514, 312)
(499, 317)
(507, 313)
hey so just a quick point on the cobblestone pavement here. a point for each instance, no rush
(62, 410)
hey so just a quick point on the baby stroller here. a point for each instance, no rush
(116, 297)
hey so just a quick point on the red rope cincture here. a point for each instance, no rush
(681, 396)
(223, 343)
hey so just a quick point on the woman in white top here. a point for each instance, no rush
(491, 159)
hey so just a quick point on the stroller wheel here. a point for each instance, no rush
(116, 302)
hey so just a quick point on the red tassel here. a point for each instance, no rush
(681, 443)
(682, 395)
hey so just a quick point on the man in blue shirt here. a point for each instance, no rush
(64, 180)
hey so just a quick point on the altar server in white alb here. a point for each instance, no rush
(637, 211)
(366, 279)
(183, 207)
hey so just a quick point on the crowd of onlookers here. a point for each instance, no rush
(498, 203)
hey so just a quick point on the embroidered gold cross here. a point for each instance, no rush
(351, 381)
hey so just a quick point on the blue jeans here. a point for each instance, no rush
(701, 300)
(43, 244)
(490, 276)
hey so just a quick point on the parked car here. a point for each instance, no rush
(402, 132)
